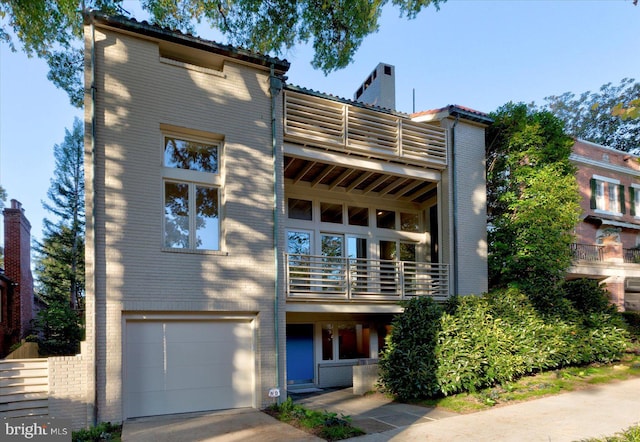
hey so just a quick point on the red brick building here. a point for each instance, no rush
(608, 238)
(16, 283)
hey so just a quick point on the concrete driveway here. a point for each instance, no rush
(245, 424)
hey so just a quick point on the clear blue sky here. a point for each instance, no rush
(476, 53)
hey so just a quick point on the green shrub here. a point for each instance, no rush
(327, 425)
(486, 340)
(587, 296)
(408, 364)
(632, 320)
(105, 431)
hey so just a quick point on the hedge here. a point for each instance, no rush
(487, 340)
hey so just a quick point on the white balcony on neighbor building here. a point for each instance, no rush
(322, 278)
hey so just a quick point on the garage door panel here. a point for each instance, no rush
(144, 332)
(186, 366)
(146, 354)
(148, 379)
(201, 376)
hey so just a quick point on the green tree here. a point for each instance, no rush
(604, 117)
(59, 265)
(336, 28)
(533, 202)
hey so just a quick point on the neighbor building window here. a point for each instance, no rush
(191, 194)
(607, 195)
(634, 200)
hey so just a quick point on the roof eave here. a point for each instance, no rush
(156, 32)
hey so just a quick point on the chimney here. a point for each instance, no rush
(17, 266)
(379, 89)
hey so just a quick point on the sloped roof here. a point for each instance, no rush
(453, 110)
(171, 35)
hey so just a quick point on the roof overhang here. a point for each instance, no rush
(599, 222)
(127, 25)
(453, 111)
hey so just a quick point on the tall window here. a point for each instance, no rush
(607, 195)
(634, 200)
(191, 194)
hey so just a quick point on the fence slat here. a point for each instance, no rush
(24, 387)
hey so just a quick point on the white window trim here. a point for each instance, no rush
(600, 180)
(636, 202)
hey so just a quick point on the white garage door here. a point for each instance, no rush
(185, 366)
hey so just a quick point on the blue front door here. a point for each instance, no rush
(299, 353)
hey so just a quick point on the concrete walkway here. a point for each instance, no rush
(596, 412)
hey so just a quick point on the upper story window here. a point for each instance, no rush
(634, 200)
(190, 155)
(191, 193)
(607, 195)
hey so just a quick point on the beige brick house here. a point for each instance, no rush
(245, 235)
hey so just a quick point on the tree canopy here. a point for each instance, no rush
(336, 28)
(608, 117)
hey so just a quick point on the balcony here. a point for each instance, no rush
(587, 252)
(325, 278)
(354, 130)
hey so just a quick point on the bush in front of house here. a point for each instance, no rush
(487, 340)
(632, 319)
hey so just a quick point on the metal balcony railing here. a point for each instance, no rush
(336, 278)
(587, 252)
(632, 256)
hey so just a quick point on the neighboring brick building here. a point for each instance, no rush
(608, 237)
(246, 236)
(16, 283)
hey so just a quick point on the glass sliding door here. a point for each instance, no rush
(300, 264)
(333, 263)
(357, 252)
(388, 273)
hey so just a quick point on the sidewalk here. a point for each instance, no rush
(596, 412)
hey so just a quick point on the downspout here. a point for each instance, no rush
(455, 204)
(275, 86)
(94, 408)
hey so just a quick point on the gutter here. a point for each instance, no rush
(94, 409)
(275, 86)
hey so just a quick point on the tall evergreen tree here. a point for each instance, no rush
(59, 264)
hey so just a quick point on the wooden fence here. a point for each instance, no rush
(24, 387)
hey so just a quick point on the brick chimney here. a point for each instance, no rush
(17, 267)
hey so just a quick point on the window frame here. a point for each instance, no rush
(607, 195)
(634, 200)
(193, 179)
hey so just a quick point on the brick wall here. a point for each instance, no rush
(68, 390)
(468, 251)
(138, 95)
